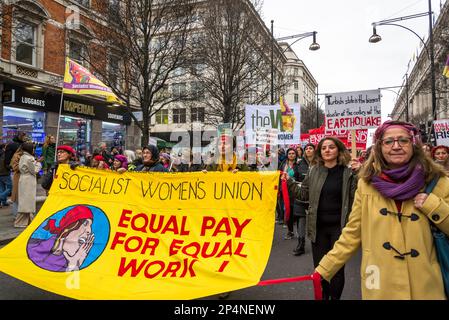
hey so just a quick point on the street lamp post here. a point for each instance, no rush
(313, 47)
(317, 107)
(429, 49)
(406, 93)
(398, 96)
(272, 63)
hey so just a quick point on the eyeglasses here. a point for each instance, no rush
(402, 141)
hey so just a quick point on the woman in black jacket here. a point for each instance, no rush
(304, 163)
(329, 189)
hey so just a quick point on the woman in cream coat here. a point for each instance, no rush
(28, 167)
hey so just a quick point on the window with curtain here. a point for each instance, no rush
(76, 51)
(179, 115)
(26, 43)
(84, 3)
(162, 117)
(197, 115)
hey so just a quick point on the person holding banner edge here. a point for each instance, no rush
(329, 189)
(290, 166)
(391, 218)
(65, 155)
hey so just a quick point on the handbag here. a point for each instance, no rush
(441, 242)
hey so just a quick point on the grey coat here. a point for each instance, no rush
(310, 192)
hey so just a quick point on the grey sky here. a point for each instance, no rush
(346, 60)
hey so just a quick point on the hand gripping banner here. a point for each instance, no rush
(103, 235)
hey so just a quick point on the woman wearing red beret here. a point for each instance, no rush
(440, 154)
(99, 162)
(65, 155)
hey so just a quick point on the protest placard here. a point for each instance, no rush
(287, 123)
(353, 110)
(441, 130)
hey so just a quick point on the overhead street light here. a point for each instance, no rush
(375, 37)
(313, 47)
(429, 48)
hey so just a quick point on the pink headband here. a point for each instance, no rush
(390, 124)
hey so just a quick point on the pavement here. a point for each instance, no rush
(7, 230)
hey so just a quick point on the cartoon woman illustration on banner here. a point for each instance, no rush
(67, 246)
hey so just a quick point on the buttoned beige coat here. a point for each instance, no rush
(398, 255)
(28, 167)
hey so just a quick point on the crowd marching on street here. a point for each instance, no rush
(339, 203)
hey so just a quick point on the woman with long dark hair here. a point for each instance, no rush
(329, 188)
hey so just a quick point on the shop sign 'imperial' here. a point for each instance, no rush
(80, 108)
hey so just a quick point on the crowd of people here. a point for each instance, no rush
(338, 202)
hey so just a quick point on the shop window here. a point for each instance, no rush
(162, 117)
(26, 43)
(179, 115)
(113, 134)
(76, 132)
(31, 122)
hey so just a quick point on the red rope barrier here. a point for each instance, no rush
(315, 278)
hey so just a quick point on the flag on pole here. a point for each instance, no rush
(288, 116)
(446, 69)
(80, 81)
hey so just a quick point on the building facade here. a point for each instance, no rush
(36, 36)
(195, 115)
(303, 86)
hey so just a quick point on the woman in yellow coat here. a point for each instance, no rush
(390, 220)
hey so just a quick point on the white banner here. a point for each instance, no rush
(353, 110)
(270, 118)
(441, 129)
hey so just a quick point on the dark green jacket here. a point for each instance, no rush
(48, 153)
(310, 192)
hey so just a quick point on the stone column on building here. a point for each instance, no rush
(97, 130)
(51, 123)
(133, 135)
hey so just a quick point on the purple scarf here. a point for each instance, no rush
(400, 184)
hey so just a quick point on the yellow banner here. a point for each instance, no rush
(104, 235)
